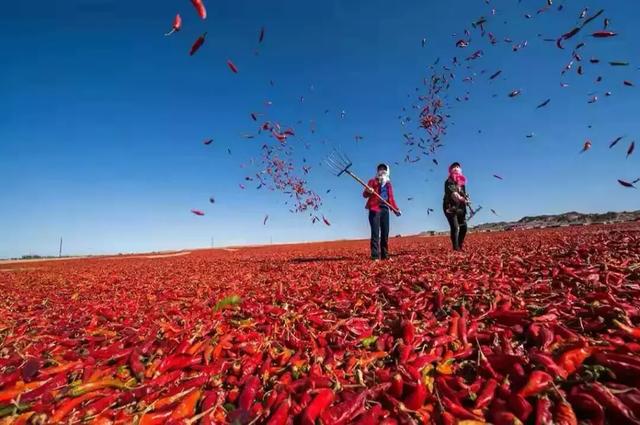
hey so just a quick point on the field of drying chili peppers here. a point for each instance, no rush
(525, 327)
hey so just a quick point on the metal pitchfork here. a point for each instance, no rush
(339, 164)
(473, 212)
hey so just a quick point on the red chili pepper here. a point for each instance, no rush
(564, 414)
(397, 385)
(270, 399)
(486, 396)
(10, 379)
(416, 397)
(465, 352)
(187, 406)
(447, 418)
(178, 361)
(462, 326)
(112, 353)
(445, 389)
(197, 381)
(346, 411)
(631, 398)
(212, 408)
(505, 418)
(423, 360)
(200, 8)
(408, 332)
(100, 405)
(604, 34)
(585, 403)
(52, 384)
(136, 365)
(404, 352)
(249, 392)
(98, 385)
(183, 347)
(168, 399)
(567, 36)
(538, 381)
(442, 340)
(155, 418)
(281, 415)
(571, 360)
(321, 401)
(549, 364)
(486, 366)
(453, 329)
(507, 363)
(520, 406)
(54, 370)
(101, 420)
(68, 405)
(458, 411)
(167, 378)
(543, 411)
(625, 367)
(232, 66)
(438, 300)
(476, 386)
(371, 416)
(618, 410)
(9, 394)
(510, 317)
(196, 46)
(176, 26)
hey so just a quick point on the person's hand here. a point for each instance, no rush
(370, 190)
(398, 213)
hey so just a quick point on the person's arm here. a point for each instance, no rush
(368, 191)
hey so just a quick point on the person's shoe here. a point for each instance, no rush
(374, 258)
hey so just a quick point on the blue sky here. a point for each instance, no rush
(102, 118)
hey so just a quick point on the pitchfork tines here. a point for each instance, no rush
(338, 163)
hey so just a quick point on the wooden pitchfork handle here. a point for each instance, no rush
(366, 186)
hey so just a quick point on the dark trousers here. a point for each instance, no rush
(458, 225)
(379, 222)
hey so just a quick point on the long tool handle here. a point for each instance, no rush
(359, 180)
(473, 212)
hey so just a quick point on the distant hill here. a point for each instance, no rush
(571, 218)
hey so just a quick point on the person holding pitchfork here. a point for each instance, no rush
(380, 199)
(455, 204)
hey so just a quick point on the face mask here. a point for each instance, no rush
(383, 176)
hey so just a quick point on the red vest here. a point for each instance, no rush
(373, 202)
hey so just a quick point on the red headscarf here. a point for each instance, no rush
(456, 175)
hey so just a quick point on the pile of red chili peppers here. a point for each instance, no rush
(535, 327)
